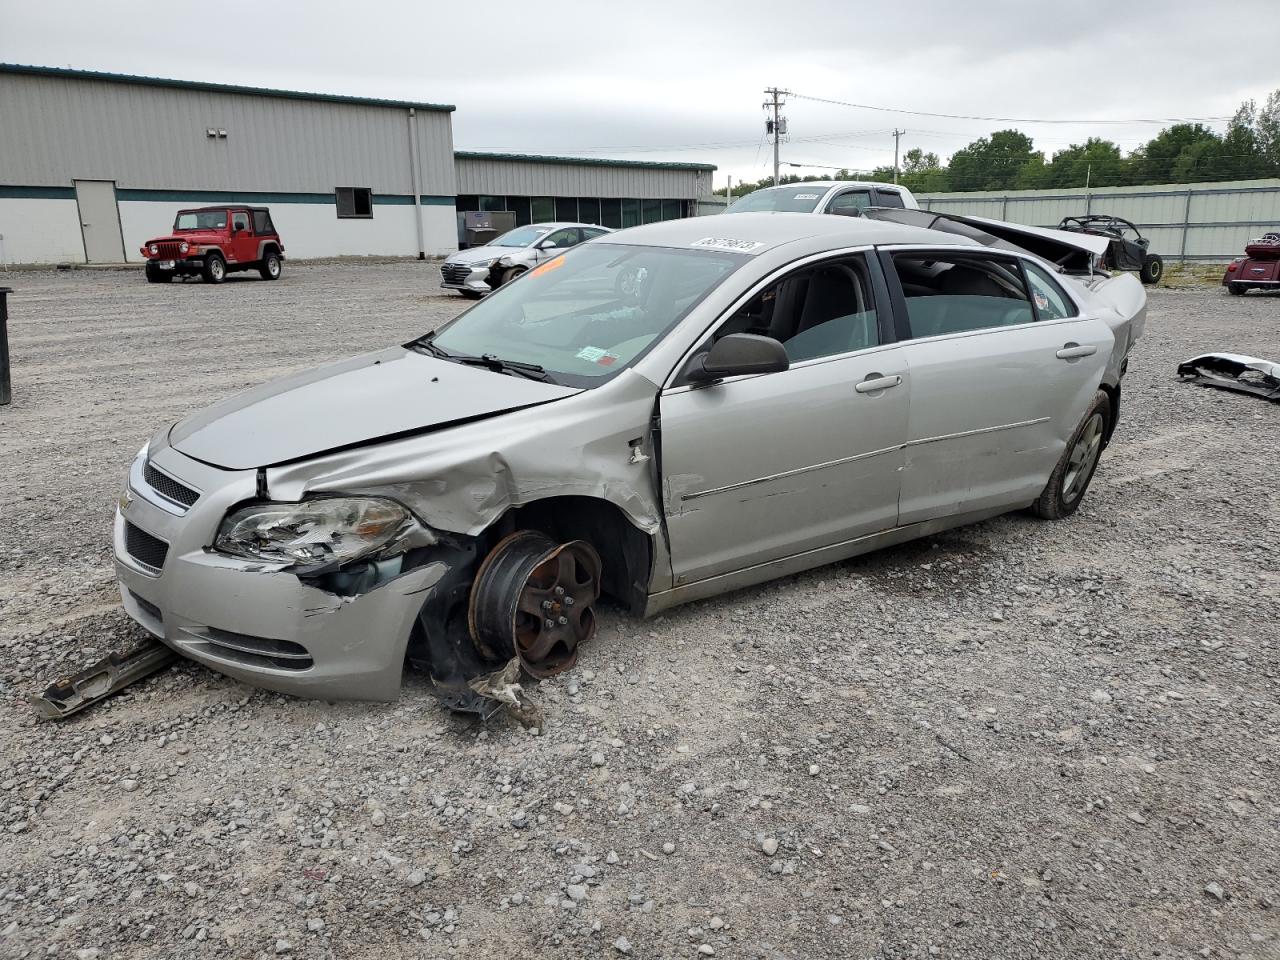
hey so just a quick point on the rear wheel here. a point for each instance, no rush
(1236, 290)
(270, 268)
(215, 269)
(1070, 478)
(1152, 269)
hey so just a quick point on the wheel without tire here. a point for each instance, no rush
(270, 269)
(215, 269)
(1152, 270)
(1070, 478)
(535, 599)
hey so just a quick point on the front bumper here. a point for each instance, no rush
(473, 280)
(187, 265)
(250, 620)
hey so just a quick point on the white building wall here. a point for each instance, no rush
(40, 231)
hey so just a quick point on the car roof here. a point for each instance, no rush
(221, 206)
(769, 230)
(557, 224)
(828, 184)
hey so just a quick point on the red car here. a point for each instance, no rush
(1260, 267)
(211, 242)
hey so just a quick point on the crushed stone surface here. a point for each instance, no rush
(1017, 739)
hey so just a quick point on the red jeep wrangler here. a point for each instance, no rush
(212, 241)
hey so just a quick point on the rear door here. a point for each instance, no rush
(1003, 366)
(757, 468)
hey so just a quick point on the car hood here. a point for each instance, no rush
(378, 396)
(480, 254)
(192, 237)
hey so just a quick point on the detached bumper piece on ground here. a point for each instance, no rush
(99, 681)
(1230, 371)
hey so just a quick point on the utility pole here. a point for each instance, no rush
(896, 135)
(777, 125)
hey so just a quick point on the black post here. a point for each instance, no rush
(6, 388)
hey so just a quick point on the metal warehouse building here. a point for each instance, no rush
(94, 164)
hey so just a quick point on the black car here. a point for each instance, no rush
(1129, 248)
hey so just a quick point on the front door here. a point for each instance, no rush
(1003, 366)
(757, 468)
(244, 245)
(100, 221)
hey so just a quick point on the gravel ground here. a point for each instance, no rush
(1017, 739)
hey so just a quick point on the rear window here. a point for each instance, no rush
(262, 222)
(793, 199)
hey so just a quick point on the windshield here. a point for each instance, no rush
(519, 237)
(591, 312)
(797, 198)
(201, 220)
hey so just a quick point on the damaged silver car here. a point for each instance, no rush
(658, 416)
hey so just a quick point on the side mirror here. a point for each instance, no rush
(738, 354)
(547, 245)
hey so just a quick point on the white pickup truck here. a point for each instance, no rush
(846, 197)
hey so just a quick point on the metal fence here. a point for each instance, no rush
(1198, 221)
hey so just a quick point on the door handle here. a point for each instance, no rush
(875, 383)
(1073, 351)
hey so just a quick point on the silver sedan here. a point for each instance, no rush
(671, 412)
(479, 270)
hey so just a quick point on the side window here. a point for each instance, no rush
(850, 203)
(970, 293)
(591, 234)
(1051, 302)
(354, 202)
(262, 222)
(239, 221)
(564, 238)
(888, 198)
(817, 311)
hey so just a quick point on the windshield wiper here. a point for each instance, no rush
(498, 365)
(424, 345)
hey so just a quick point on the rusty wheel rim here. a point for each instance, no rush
(535, 599)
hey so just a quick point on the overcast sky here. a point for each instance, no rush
(684, 81)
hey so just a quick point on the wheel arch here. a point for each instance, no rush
(268, 246)
(1113, 414)
(627, 552)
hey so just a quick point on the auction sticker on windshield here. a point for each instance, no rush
(805, 196)
(728, 243)
(597, 355)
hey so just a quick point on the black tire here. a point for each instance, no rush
(1070, 478)
(1152, 270)
(511, 273)
(270, 266)
(215, 268)
(156, 276)
(1236, 290)
(471, 294)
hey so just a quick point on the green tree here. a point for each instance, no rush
(992, 163)
(1097, 162)
(1162, 160)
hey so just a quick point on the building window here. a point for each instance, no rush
(671, 210)
(567, 209)
(631, 213)
(491, 204)
(588, 210)
(354, 202)
(520, 207)
(610, 213)
(542, 209)
(467, 204)
(652, 211)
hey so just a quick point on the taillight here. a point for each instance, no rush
(1231, 267)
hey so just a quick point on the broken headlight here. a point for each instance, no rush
(313, 533)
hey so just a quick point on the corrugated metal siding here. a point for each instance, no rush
(1198, 221)
(509, 177)
(57, 129)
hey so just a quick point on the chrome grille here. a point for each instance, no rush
(168, 487)
(147, 550)
(455, 272)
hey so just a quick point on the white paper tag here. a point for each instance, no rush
(727, 243)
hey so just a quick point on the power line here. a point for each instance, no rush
(962, 116)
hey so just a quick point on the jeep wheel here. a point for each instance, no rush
(1152, 270)
(215, 269)
(270, 269)
(157, 276)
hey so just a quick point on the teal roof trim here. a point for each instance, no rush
(34, 71)
(584, 161)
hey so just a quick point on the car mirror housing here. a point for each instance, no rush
(738, 354)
